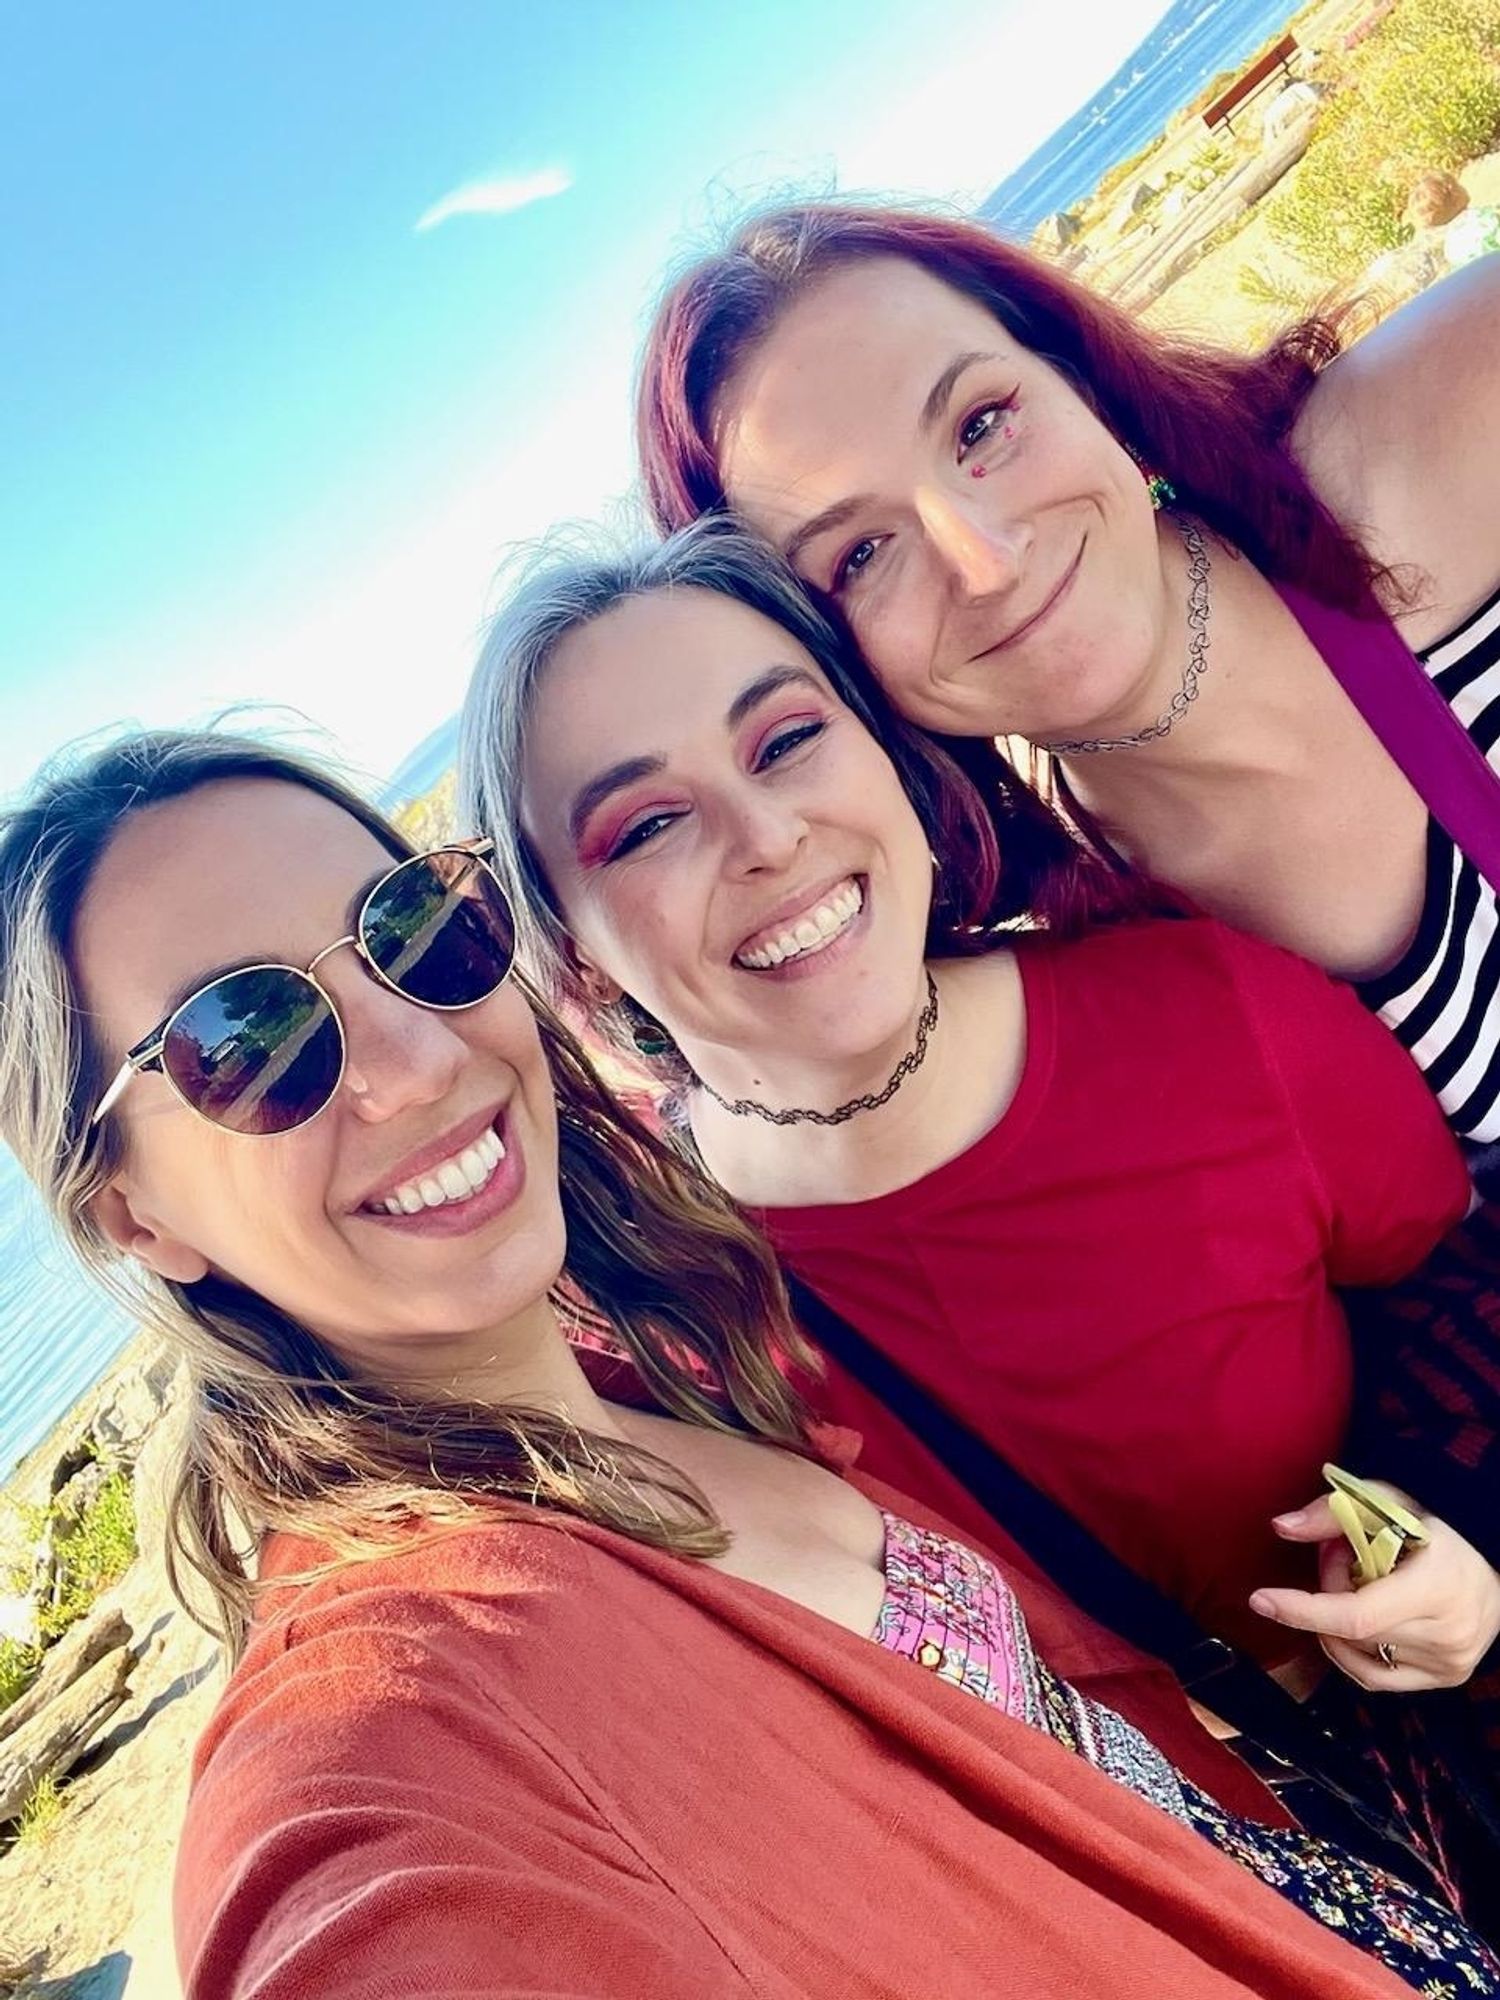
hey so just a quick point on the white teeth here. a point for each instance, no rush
(452, 1180)
(810, 933)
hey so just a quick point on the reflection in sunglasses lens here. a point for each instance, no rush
(441, 930)
(258, 1051)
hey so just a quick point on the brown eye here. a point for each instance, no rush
(976, 428)
(854, 563)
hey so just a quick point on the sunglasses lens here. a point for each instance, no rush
(440, 930)
(258, 1051)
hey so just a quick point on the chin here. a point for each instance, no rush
(1090, 707)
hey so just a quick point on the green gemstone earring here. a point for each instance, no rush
(1161, 490)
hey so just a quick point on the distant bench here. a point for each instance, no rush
(1278, 58)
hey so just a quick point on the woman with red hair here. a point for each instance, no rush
(1194, 578)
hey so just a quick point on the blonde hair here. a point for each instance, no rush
(283, 1434)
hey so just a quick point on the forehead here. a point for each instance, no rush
(648, 673)
(242, 866)
(845, 371)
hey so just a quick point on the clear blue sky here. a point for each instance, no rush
(265, 437)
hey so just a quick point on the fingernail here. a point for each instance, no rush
(1292, 1520)
(1264, 1604)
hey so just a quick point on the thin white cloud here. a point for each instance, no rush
(497, 197)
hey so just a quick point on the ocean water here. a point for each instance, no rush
(56, 1334)
(1191, 43)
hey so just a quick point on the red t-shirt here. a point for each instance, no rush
(1126, 1285)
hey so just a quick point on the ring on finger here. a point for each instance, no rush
(1387, 1653)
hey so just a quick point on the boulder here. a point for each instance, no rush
(51, 1743)
(132, 1403)
(156, 1470)
(16, 1973)
(74, 1499)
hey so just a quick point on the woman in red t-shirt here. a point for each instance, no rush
(1092, 1184)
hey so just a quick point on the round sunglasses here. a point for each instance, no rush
(262, 1050)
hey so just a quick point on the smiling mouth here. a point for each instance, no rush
(449, 1184)
(1030, 624)
(813, 931)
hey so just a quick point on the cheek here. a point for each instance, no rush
(503, 1026)
(637, 925)
(897, 626)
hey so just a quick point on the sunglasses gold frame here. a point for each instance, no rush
(149, 1053)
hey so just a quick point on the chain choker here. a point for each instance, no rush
(916, 1055)
(1192, 673)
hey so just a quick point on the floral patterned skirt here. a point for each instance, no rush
(948, 1609)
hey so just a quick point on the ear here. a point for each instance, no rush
(138, 1235)
(598, 988)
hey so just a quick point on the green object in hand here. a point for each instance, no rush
(1378, 1529)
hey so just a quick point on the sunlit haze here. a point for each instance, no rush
(311, 312)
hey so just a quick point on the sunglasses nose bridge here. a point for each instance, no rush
(328, 951)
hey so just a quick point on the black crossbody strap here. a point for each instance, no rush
(1226, 1681)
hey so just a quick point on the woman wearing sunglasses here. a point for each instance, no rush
(947, 437)
(544, 1687)
(538, 1686)
(1091, 1191)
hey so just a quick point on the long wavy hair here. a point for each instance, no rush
(1216, 424)
(1001, 855)
(283, 1434)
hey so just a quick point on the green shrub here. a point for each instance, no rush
(100, 1549)
(1266, 287)
(1424, 91)
(40, 1814)
(18, 1664)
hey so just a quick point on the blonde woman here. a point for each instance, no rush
(539, 1687)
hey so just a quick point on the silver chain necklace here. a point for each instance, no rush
(746, 1107)
(1192, 673)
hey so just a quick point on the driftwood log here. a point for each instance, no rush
(75, 1652)
(61, 1726)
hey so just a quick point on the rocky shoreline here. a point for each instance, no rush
(103, 1733)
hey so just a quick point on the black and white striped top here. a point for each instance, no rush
(1443, 998)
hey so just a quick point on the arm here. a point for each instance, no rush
(365, 1826)
(1401, 438)
(1394, 1183)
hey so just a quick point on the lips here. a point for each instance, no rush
(810, 925)
(457, 1178)
(1028, 625)
(425, 1162)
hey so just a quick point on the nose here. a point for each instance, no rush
(765, 831)
(398, 1055)
(982, 552)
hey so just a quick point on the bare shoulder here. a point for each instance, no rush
(1401, 437)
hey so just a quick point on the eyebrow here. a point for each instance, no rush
(608, 782)
(843, 511)
(753, 693)
(942, 388)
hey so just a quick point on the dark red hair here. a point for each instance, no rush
(1216, 424)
